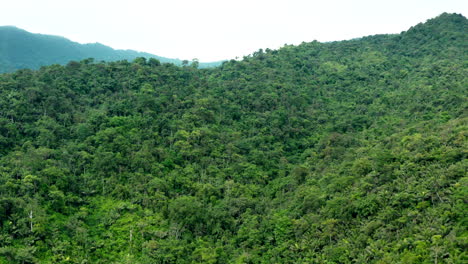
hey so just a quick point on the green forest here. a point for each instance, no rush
(340, 152)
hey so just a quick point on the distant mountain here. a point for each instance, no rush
(20, 49)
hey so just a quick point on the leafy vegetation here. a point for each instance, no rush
(343, 152)
(20, 49)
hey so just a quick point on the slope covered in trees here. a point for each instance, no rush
(20, 49)
(343, 152)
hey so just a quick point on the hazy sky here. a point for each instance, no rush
(217, 29)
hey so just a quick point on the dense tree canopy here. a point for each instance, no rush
(341, 152)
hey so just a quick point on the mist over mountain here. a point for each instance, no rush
(343, 152)
(20, 49)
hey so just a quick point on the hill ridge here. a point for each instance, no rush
(22, 49)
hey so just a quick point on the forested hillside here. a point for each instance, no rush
(344, 152)
(20, 49)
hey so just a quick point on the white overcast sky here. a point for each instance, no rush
(218, 29)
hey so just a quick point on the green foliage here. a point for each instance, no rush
(343, 152)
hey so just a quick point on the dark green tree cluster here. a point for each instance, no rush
(342, 152)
